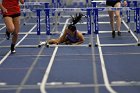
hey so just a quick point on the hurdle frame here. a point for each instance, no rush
(96, 27)
(48, 33)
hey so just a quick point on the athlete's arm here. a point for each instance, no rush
(4, 10)
(63, 37)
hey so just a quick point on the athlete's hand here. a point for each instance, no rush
(4, 10)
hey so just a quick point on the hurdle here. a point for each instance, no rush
(56, 15)
(55, 4)
(96, 26)
(47, 22)
(46, 4)
(28, 9)
(47, 10)
(77, 10)
(128, 20)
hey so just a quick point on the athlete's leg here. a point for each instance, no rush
(53, 41)
(16, 22)
(9, 26)
(118, 18)
(111, 16)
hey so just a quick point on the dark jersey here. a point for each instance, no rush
(72, 39)
(112, 2)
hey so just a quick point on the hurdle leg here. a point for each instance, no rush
(89, 25)
(128, 19)
(128, 16)
(138, 24)
(96, 25)
(56, 21)
(24, 13)
(47, 21)
(38, 25)
(24, 20)
(138, 39)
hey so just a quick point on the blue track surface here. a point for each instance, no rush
(76, 69)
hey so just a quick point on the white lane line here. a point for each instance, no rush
(4, 33)
(2, 28)
(130, 30)
(126, 83)
(55, 85)
(51, 83)
(104, 71)
(3, 83)
(46, 75)
(95, 77)
(2, 24)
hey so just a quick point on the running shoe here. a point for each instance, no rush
(113, 34)
(119, 33)
(13, 49)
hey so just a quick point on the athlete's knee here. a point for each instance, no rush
(118, 17)
(10, 29)
(111, 19)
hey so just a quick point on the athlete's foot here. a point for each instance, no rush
(7, 35)
(13, 49)
(13, 52)
(119, 33)
(113, 34)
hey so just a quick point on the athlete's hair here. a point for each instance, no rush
(74, 20)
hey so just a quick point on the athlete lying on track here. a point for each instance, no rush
(71, 35)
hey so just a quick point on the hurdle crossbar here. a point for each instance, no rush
(111, 31)
(21, 46)
(43, 33)
(92, 8)
(82, 23)
(117, 45)
(80, 45)
(63, 45)
(84, 9)
(35, 3)
(81, 9)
